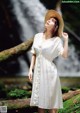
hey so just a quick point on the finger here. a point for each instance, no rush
(65, 33)
(30, 77)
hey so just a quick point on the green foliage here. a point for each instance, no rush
(72, 105)
(65, 89)
(18, 93)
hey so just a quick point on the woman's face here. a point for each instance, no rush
(51, 24)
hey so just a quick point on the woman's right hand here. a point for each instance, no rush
(30, 75)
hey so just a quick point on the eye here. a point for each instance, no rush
(54, 20)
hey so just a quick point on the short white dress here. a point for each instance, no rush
(46, 87)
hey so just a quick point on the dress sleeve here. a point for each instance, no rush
(32, 50)
(60, 48)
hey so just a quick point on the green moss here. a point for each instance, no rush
(18, 93)
(72, 105)
(65, 89)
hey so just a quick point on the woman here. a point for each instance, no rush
(46, 90)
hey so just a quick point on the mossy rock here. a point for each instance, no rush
(71, 105)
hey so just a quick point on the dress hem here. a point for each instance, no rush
(47, 107)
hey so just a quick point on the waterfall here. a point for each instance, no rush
(71, 65)
(30, 16)
(31, 20)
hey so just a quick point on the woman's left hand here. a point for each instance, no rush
(65, 35)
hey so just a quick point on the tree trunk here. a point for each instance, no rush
(22, 103)
(70, 94)
(17, 50)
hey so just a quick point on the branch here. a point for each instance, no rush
(15, 104)
(71, 32)
(70, 94)
(19, 49)
(22, 103)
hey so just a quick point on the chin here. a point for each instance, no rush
(45, 25)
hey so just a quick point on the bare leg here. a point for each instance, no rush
(41, 110)
(53, 111)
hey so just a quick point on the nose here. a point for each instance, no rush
(48, 21)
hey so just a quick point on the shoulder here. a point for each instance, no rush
(59, 39)
(37, 35)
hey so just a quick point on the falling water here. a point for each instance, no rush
(31, 17)
(30, 21)
(71, 65)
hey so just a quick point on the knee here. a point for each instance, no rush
(42, 109)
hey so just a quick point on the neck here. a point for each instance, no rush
(48, 35)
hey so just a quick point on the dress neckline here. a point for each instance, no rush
(48, 38)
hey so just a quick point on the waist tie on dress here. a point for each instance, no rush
(40, 55)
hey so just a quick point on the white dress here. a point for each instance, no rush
(46, 87)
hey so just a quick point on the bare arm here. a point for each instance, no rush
(65, 52)
(33, 59)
